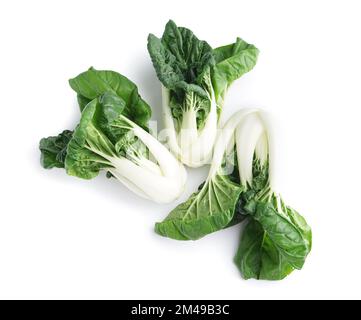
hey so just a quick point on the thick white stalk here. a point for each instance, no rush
(262, 148)
(145, 183)
(193, 148)
(169, 123)
(248, 133)
(145, 178)
(168, 179)
(129, 184)
(168, 164)
(200, 152)
(149, 165)
(271, 149)
(224, 138)
(188, 133)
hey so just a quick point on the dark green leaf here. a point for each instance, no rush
(291, 238)
(182, 63)
(257, 256)
(180, 59)
(260, 181)
(276, 241)
(53, 150)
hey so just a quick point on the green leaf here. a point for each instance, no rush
(104, 133)
(232, 61)
(182, 63)
(196, 76)
(53, 150)
(111, 107)
(260, 181)
(276, 241)
(89, 148)
(82, 101)
(292, 238)
(217, 204)
(165, 64)
(93, 83)
(206, 211)
(180, 59)
(257, 256)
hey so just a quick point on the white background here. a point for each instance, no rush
(62, 237)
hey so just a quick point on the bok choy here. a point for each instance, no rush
(276, 239)
(195, 79)
(112, 136)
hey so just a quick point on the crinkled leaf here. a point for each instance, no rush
(288, 231)
(165, 64)
(53, 150)
(274, 243)
(180, 59)
(182, 63)
(89, 146)
(194, 72)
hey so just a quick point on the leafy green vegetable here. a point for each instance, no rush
(181, 60)
(280, 237)
(213, 207)
(107, 139)
(53, 150)
(276, 239)
(93, 83)
(194, 81)
(257, 256)
(206, 211)
(232, 62)
(112, 135)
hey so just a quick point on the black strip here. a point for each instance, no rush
(149, 309)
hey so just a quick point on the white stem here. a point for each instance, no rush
(171, 176)
(224, 138)
(271, 148)
(169, 165)
(248, 134)
(145, 183)
(129, 184)
(188, 133)
(150, 165)
(169, 123)
(192, 147)
(262, 148)
(200, 152)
